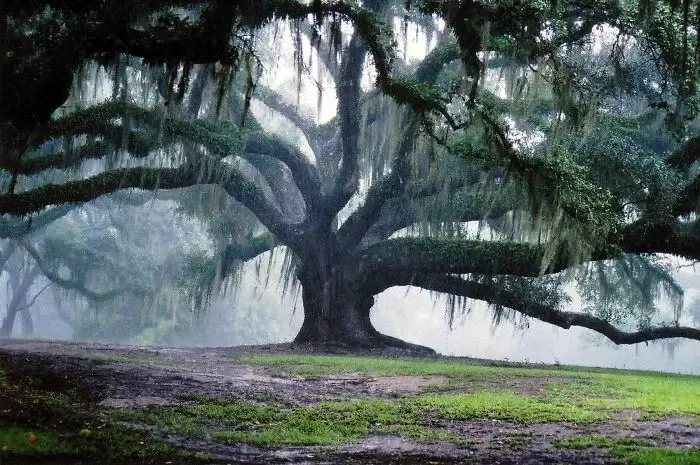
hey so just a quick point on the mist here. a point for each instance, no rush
(259, 312)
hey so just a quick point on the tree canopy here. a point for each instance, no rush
(534, 147)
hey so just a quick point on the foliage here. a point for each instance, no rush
(542, 125)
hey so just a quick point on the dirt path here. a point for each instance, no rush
(133, 377)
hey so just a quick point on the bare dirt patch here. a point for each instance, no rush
(385, 385)
(135, 377)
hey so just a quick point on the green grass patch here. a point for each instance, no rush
(573, 394)
(505, 405)
(239, 422)
(632, 451)
(653, 394)
(17, 440)
(37, 425)
(664, 456)
(318, 366)
(330, 423)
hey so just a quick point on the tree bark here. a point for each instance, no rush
(337, 308)
(21, 283)
(8, 322)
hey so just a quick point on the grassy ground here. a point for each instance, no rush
(61, 423)
(470, 392)
(43, 421)
(586, 393)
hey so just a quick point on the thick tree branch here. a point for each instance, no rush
(276, 102)
(671, 237)
(303, 172)
(252, 248)
(494, 295)
(70, 284)
(460, 256)
(137, 145)
(348, 92)
(221, 140)
(13, 227)
(205, 171)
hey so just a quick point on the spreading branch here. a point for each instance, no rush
(12, 227)
(500, 297)
(461, 256)
(244, 252)
(348, 92)
(70, 284)
(276, 102)
(206, 170)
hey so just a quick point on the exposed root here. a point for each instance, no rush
(374, 344)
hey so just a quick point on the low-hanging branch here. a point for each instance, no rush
(244, 252)
(69, 284)
(205, 170)
(495, 295)
(461, 256)
(13, 227)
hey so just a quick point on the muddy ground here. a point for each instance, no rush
(132, 377)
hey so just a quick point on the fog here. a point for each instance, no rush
(261, 313)
(411, 315)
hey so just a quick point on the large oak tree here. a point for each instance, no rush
(565, 129)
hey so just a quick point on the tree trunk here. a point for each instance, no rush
(337, 311)
(8, 322)
(27, 322)
(20, 284)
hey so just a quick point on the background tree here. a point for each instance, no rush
(579, 168)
